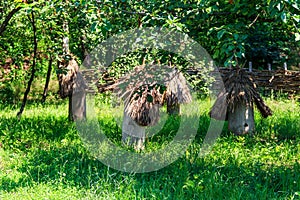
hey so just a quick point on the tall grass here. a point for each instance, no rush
(42, 157)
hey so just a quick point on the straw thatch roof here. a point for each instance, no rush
(147, 88)
(239, 88)
(69, 78)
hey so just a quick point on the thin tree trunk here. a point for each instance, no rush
(66, 51)
(33, 69)
(70, 116)
(47, 79)
(8, 18)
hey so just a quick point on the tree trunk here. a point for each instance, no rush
(132, 133)
(241, 119)
(33, 67)
(70, 113)
(6, 20)
(47, 80)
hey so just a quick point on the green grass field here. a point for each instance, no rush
(42, 157)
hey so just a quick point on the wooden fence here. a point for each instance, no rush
(276, 80)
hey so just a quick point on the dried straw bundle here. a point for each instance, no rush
(239, 88)
(143, 106)
(147, 88)
(69, 78)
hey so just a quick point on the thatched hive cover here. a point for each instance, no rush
(238, 88)
(69, 78)
(147, 88)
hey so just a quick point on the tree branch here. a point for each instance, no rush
(7, 19)
(254, 20)
(47, 79)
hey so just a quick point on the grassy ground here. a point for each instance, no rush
(42, 157)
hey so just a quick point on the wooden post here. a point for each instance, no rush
(132, 133)
(77, 106)
(241, 119)
(285, 66)
(77, 98)
(269, 66)
(250, 66)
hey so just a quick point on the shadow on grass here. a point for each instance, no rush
(61, 165)
(32, 131)
(244, 181)
(70, 165)
(203, 179)
(32, 102)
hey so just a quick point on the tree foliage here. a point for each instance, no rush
(233, 31)
(227, 29)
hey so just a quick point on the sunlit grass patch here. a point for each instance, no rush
(42, 156)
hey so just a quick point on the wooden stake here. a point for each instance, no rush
(285, 66)
(250, 66)
(269, 67)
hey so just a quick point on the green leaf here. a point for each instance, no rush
(295, 5)
(238, 54)
(297, 18)
(216, 54)
(162, 89)
(283, 17)
(297, 37)
(280, 6)
(236, 36)
(230, 48)
(208, 10)
(221, 33)
(211, 30)
(93, 26)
